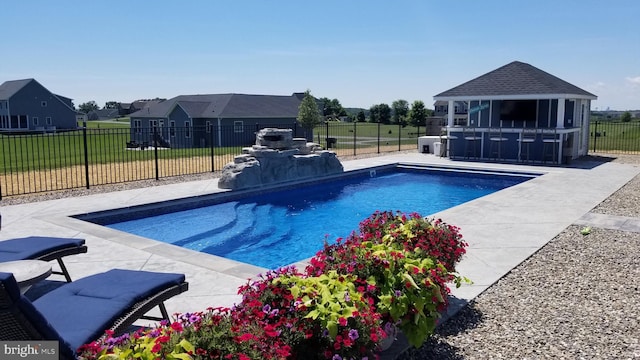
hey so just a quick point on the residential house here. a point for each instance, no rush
(212, 120)
(141, 104)
(515, 100)
(460, 109)
(26, 105)
(103, 114)
(125, 109)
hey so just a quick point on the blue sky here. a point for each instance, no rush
(360, 52)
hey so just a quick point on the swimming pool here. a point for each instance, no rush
(277, 228)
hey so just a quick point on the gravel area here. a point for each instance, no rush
(576, 298)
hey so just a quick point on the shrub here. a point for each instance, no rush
(321, 317)
(403, 264)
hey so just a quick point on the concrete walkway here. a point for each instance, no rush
(502, 229)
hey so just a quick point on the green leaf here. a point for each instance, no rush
(313, 314)
(186, 345)
(295, 291)
(332, 327)
(408, 278)
(181, 356)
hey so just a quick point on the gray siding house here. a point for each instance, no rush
(25, 105)
(212, 120)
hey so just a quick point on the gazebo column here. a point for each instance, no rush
(560, 125)
(560, 116)
(450, 113)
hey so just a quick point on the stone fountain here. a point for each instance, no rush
(278, 157)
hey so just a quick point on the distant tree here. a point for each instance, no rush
(88, 106)
(384, 113)
(418, 114)
(626, 117)
(308, 112)
(332, 107)
(111, 105)
(361, 117)
(380, 113)
(373, 114)
(400, 111)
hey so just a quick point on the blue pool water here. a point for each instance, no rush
(279, 228)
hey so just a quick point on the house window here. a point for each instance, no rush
(187, 129)
(137, 125)
(153, 123)
(35, 120)
(48, 120)
(238, 126)
(172, 128)
(43, 103)
(208, 125)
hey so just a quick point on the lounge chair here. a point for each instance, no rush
(79, 312)
(42, 248)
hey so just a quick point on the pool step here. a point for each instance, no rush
(260, 234)
(242, 220)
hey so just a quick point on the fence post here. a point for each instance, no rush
(326, 134)
(86, 153)
(378, 137)
(213, 153)
(355, 138)
(399, 134)
(595, 136)
(155, 151)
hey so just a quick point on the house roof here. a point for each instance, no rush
(515, 80)
(10, 87)
(141, 104)
(226, 106)
(104, 113)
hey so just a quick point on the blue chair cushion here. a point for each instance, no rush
(81, 310)
(34, 246)
(33, 316)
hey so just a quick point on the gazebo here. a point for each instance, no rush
(518, 113)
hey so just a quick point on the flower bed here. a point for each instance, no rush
(393, 272)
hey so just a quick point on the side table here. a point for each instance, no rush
(26, 272)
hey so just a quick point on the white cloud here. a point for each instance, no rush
(634, 80)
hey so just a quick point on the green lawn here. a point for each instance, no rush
(363, 135)
(615, 136)
(106, 143)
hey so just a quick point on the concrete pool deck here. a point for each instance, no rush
(502, 229)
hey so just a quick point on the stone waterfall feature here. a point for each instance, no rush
(278, 157)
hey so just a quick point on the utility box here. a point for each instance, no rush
(437, 148)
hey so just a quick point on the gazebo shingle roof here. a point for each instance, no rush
(515, 79)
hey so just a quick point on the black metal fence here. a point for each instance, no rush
(86, 157)
(614, 137)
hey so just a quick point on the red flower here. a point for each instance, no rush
(176, 326)
(271, 331)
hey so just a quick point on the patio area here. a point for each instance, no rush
(502, 229)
